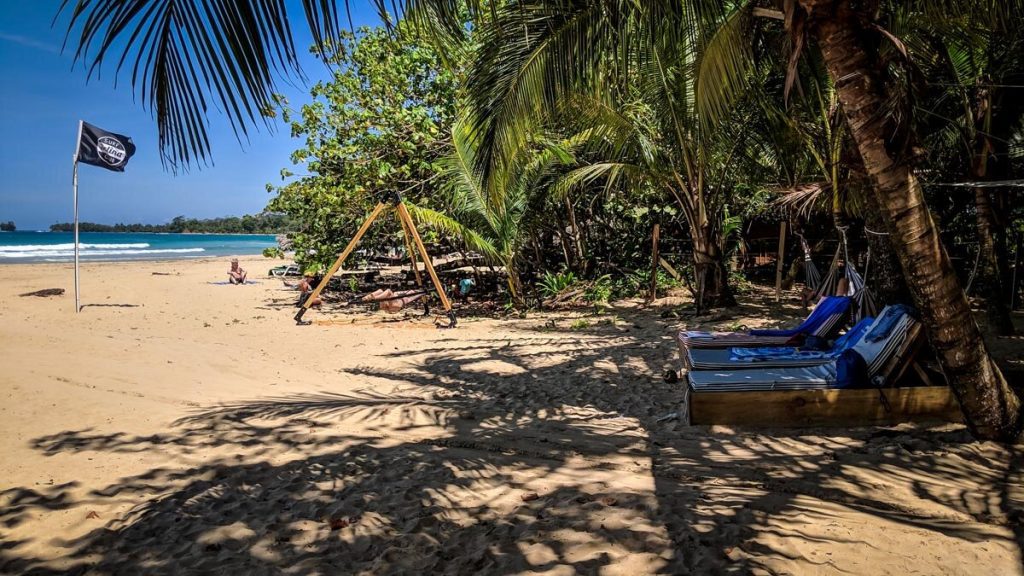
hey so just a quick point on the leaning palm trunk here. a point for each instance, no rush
(882, 272)
(991, 409)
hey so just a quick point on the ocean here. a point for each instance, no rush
(22, 247)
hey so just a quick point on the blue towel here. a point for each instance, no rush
(749, 354)
(887, 322)
(829, 306)
(853, 335)
(842, 344)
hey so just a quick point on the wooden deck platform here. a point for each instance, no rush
(810, 408)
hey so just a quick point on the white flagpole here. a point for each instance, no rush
(78, 144)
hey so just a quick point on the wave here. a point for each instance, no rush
(51, 247)
(71, 253)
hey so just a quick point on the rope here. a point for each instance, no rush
(996, 184)
(870, 231)
(974, 270)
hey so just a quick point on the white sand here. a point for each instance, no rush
(202, 431)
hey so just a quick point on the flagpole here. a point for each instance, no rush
(78, 144)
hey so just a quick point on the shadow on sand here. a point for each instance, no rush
(577, 410)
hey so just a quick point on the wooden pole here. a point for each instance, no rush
(403, 213)
(655, 234)
(341, 259)
(778, 263)
(412, 252)
(1016, 266)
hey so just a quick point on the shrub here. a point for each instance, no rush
(552, 285)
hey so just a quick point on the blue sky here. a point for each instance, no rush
(42, 98)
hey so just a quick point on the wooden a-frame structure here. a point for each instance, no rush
(413, 242)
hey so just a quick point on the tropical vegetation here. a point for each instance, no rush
(554, 137)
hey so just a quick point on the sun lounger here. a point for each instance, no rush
(283, 270)
(776, 357)
(882, 349)
(823, 322)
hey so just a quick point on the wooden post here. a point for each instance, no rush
(1016, 266)
(403, 213)
(412, 252)
(778, 263)
(655, 234)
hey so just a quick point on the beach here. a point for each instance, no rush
(181, 425)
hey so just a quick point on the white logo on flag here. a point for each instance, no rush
(110, 150)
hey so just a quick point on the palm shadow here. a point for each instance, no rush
(547, 404)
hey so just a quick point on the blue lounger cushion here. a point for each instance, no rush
(859, 366)
(742, 358)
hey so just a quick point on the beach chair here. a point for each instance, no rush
(880, 357)
(823, 322)
(285, 270)
(775, 357)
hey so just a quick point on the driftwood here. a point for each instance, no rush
(46, 292)
(564, 299)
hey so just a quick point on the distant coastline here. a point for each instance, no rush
(266, 223)
(30, 246)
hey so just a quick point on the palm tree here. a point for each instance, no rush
(625, 75)
(850, 40)
(495, 216)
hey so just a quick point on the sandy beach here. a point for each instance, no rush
(179, 426)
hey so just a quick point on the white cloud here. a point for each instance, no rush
(29, 43)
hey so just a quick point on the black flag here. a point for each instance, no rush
(104, 149)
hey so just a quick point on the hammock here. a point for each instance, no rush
(391, 301)
(856, 287)
(812, 278)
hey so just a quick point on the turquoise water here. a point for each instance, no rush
(18, 247)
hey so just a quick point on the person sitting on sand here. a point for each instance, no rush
(306, 287)
(237, 274)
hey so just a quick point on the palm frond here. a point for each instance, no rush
(804, 199)
(726, 66)
(444, 223)
(186, 57)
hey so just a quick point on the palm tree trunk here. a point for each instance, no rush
(515, 285)
(711, 274)
(997, 311)
(885, 277)
(991, 409)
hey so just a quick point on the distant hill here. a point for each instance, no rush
(267, 223)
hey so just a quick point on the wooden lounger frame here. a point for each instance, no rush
(889, 404)
(412, 239)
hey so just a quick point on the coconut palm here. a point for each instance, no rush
(625, 74)
(495, 216)
(852, 41)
